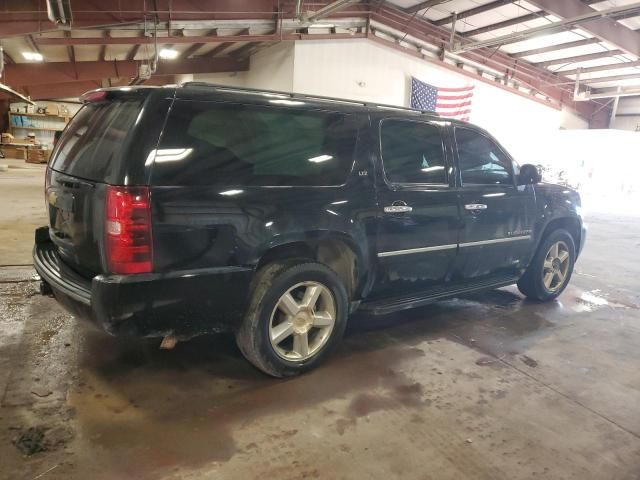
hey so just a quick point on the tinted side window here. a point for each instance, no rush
(232, 144)
(481, 161)
(412, 152)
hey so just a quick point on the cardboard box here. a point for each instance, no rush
(38, 155)
(6, 138)
(53, 109)
(15, 152)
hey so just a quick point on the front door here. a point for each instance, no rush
(497, 215)
(417, 233)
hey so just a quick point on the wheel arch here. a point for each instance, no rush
(337, 250)
(570, 224)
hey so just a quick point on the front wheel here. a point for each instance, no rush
(297, 314)
(551, 267)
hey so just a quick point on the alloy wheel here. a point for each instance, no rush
(302, 321)
(556, 266)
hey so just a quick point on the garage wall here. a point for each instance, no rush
(270, 68)
(628, 114)
(366, 71)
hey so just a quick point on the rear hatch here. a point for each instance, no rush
(87, 157)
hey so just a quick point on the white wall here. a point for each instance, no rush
(270, 68)
(363, 70)
(631, 122)
(629, 114)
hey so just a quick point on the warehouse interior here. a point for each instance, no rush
(488, 385)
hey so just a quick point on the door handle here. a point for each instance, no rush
(398, 207)
(475, 206)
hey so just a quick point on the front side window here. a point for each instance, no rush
(481, 161)
(412, 152)
(232, 144)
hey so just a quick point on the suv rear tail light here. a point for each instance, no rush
(128, 238)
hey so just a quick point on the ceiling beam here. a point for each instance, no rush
(133, 52)
(601, 68)
(558, 46)
(423, 5)
(61, 72)
(71, 53)
(612, 78)
(245, 50)
(578, 58)
(604, 28)
(515, 21)
(197, 46)
(150, 40)
(591, 17)
(474, 11)
(506, 23)
(103, 49)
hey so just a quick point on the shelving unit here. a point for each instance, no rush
(22, 123)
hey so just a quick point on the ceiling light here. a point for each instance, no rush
(168, 53)
(33, 56)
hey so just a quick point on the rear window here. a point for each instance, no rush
(231, 144)
(94, 139)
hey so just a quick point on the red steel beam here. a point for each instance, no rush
(605, 29)
(62, 72)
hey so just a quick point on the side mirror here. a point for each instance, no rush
(528, 175)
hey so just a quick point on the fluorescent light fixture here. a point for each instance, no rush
(33, 56)
(231, 192)
(320, 158)
(286, 102)
(168, 53)
(433, 169)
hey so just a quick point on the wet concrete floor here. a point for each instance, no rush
(488, 386)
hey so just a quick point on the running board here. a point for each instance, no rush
(384, 307)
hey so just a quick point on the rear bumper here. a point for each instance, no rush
(185, 303)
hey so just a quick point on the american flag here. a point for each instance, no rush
(447, 102)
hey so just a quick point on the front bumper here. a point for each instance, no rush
(184, 303)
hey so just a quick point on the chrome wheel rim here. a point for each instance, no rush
(302, 321)
(556, 266)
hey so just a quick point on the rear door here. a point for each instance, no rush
(417, 233)
(86, 157)
(497, 215)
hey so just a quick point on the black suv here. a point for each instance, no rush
(177, 211)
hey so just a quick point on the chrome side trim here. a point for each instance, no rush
(453, 245)
(496, 240)
(417, 250)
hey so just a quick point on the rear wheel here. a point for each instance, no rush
(297, 314)
(551, 267)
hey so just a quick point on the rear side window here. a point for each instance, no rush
(231, 144)
(412, 152)
(481, 160)
(94, 139)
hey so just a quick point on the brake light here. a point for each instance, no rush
(93, 96)
(128, 238)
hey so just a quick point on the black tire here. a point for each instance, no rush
(532, 282)
(271, 282)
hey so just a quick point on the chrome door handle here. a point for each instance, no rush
(398, 207)
(475, 206)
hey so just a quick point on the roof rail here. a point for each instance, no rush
(257, 91)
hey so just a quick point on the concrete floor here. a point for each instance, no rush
(483, 387)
